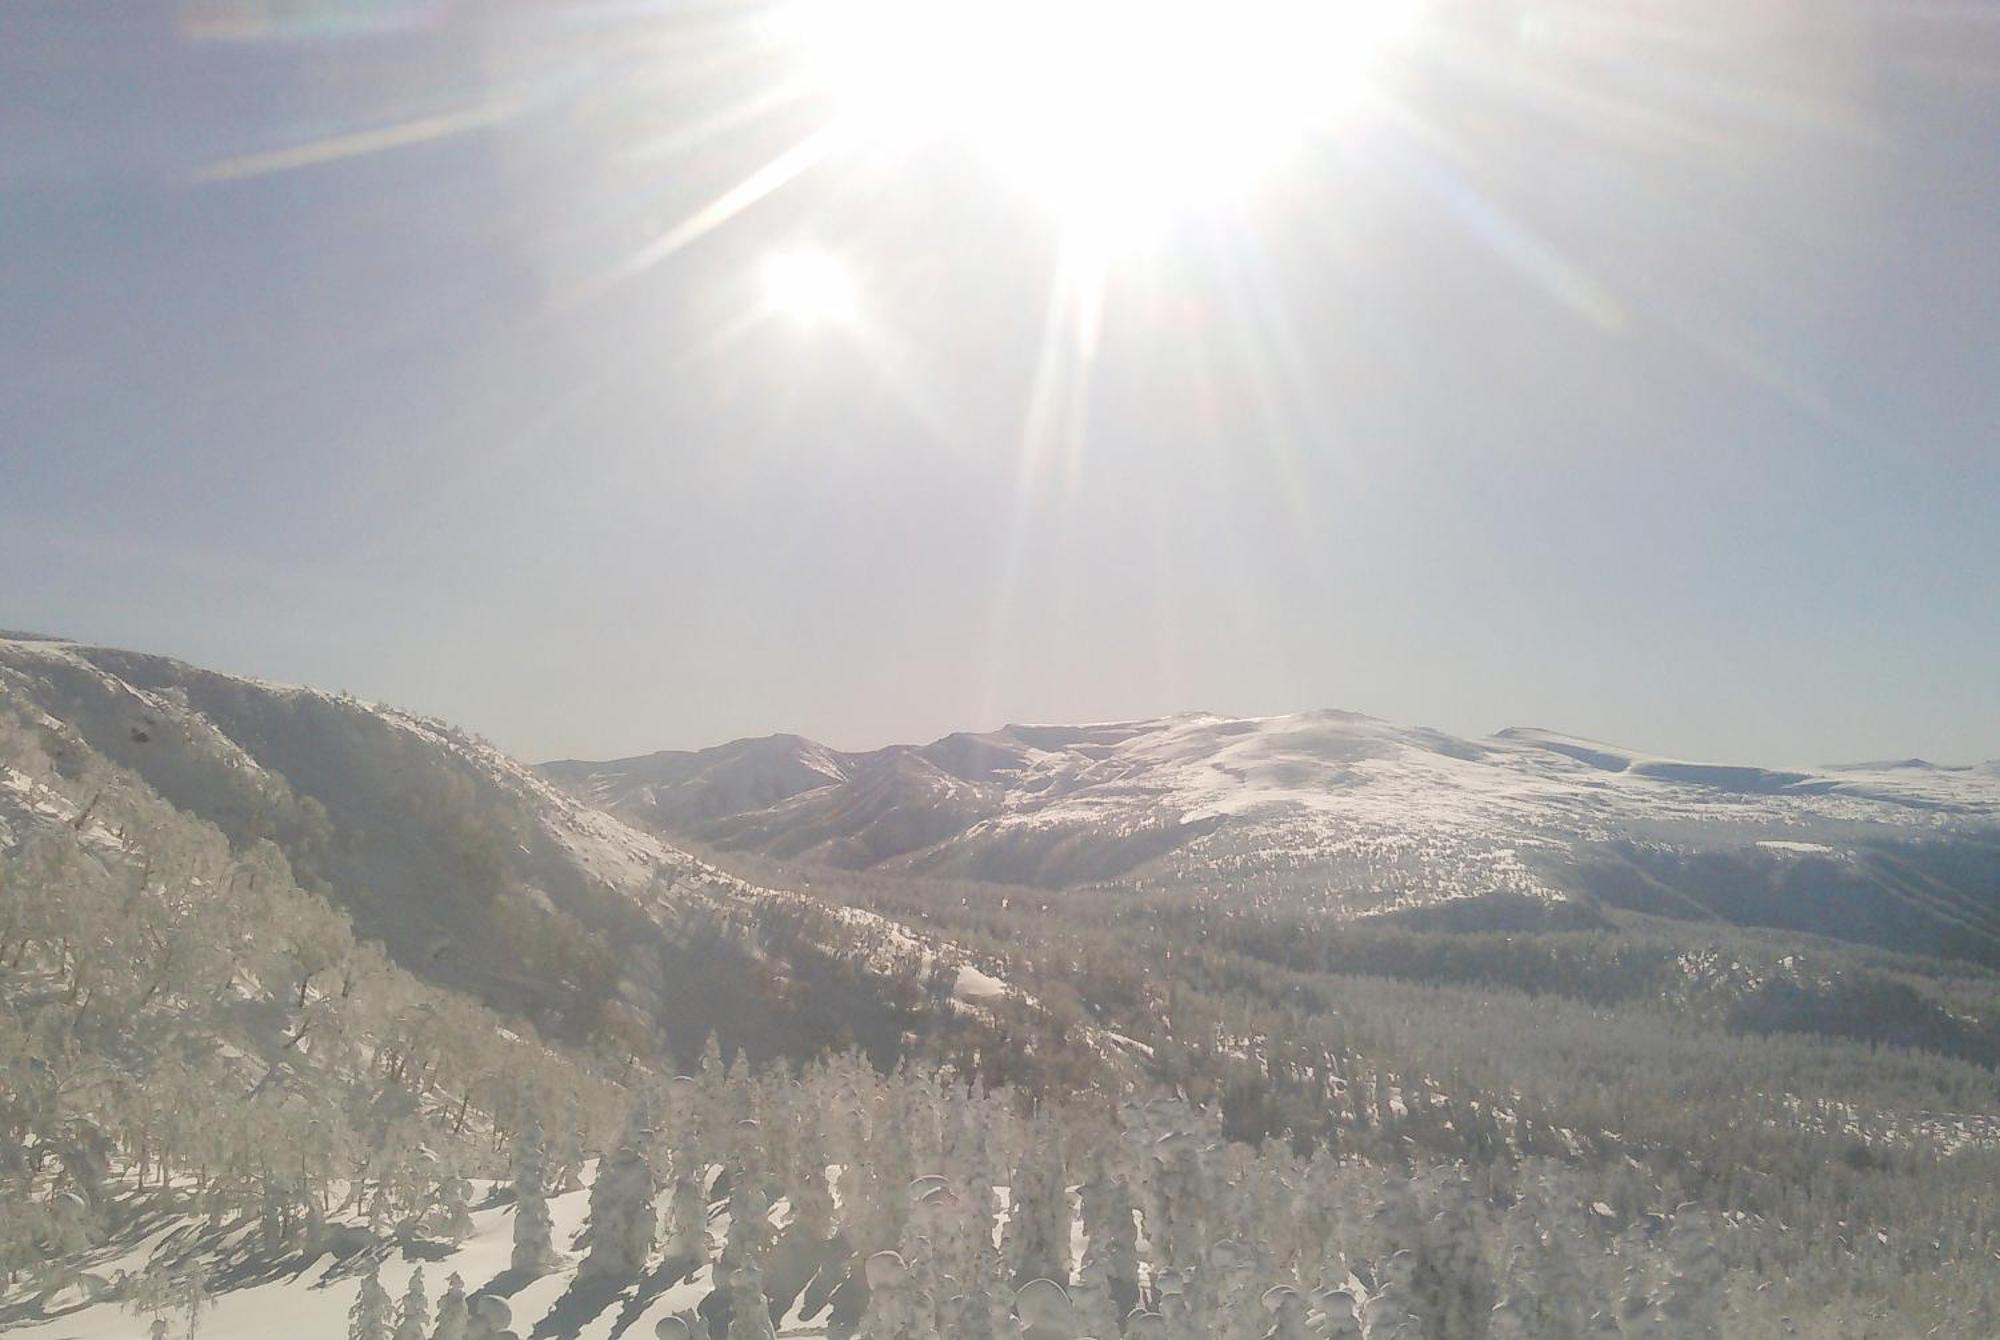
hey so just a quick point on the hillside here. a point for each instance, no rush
(1347, 815)
(474, 874)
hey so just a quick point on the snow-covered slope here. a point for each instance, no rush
(314, 1297)
(473, 871)
(1343, 810)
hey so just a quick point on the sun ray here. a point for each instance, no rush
(1053, 424)
(356, 144)
(777, 173)
(1265, 345)
(707, 129)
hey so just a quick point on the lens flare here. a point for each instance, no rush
(810, 287)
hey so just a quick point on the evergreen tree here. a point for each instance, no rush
(622, 1220)
(812, 1200)
(453, 1320)
(1288, 1314)
(687, 1213)
(892, 1312)
(372, 1314)
(534, 1252)
(749, 1311)
(413, 1317)
(490, 1318)
(1111, 1248)
(454, 1208)
(1037, 1235)
(1045, 1311)
(1340, 1317)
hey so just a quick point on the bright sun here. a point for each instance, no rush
(1116, 114)
(808, 286)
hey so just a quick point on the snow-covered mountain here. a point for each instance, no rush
(473, 871)
(1357, 815)
(223, 1102)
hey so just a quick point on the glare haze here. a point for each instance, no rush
(611, 378)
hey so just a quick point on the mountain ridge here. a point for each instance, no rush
(1351, 813)
(470, 868)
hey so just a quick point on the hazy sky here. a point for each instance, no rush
(1631, 369)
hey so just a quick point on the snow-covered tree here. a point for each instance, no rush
(195, 1297)
(1288, 1314)
(454, 1322)
(413, 1315)
(565, 1155)
(687, 1220)
(1340, 1315)
(622, 1219)
(749, 1311)
(1045, 1311)
(454, 1207)
(490, 1318)
(1111, 1249)
(892, 1312)
(534, 1249)
(812, 1199)
(372, 1314)
(1037, 1235)
(1180, 1187)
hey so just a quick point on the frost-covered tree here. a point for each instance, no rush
(812, 1199)
(372, 1314)
(1387, 1316)
(454, 1322)
(565, 1154)
(1045, 1311)
(1090, 1299)
(1180, 1199)
(866, 1217)
(195, 1297)
(687, 1220)
(1037, 1235)
(622, 1219)
(892, 1312)
(749, 1240)
(749, 1311)
(1697, 1290)
(490, 1318)
(1179, 1319)
(534, 1249)
(454, 1207)
(1340, 1315)
(151, 1291)
(981, 1310)
(1438, 1276)
(413, 1315)
(1111, 1248)
(1288, 1314)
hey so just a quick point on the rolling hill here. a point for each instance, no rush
(1349, 815)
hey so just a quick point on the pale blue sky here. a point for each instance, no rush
(1640, 381)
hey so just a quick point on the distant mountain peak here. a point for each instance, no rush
(1369, 812)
